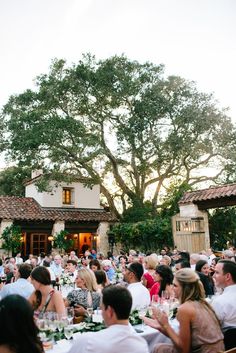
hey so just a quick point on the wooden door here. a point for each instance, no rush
(38, 243)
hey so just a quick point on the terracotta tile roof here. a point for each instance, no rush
(212, 193)
(26, 208)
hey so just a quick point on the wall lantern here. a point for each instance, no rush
(50, 238)
(111, 240)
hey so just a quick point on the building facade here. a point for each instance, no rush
(72, 207)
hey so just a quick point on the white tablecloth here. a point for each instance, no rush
(151, 335)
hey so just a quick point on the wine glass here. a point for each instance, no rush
(90, 313)
(70, 314)
(61, 322)
(68, 332)
(155, 300)
(142, 312)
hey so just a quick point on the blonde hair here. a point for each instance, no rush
(166, 259)
(89, 279)
(151, 261)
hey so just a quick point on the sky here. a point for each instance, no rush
(194, 39)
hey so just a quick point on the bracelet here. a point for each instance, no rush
(165, 326)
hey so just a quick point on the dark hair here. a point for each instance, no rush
(95, 262)
(25, 270)
(229, 267)
(166, 276)
(137, 269)
(17, 327)
(183, 263)
(199, 265)
(73, 262)
(123, 257)
(184, 255)
(41, 275)
(46, 263)
(119, 298)
(101, 277)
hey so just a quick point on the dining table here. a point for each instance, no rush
(151, 335)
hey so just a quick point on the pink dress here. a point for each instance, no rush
(206, 333)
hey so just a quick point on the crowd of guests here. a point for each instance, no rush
(120, 284)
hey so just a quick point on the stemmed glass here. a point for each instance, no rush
(68, 332)
(70, 314)
(90, 313)
(142, 313)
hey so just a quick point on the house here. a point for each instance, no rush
(67, 206)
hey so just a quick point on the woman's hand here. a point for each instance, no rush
(160, 316)
(80, 310)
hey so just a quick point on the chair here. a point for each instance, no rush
(230, 338)
(232, 350)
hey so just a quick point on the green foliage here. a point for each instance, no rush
(139, 212)
(121, 124)
(61, 242)
(222, 225)
(12, 181)
(149, 235)
(11, 237)
(174, 193)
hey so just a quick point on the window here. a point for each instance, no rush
(67, 196)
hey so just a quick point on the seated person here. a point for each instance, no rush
(225, 303)
(87, 295)
(119, 335)
(18, 331)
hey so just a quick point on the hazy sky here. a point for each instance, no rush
(195, 39)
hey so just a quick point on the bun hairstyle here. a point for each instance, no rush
(186, 275)
(191, 286)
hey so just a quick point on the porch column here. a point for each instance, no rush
(58, 226)
(102, 239)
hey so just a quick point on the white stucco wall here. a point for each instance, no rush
(83, 197)
(189, 210)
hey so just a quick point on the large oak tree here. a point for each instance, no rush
(121, 124)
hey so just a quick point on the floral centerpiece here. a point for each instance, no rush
(66, 280)
(57, 334)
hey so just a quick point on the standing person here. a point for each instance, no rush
(119, 336)
(199, 328)
(140, 294)
(44, 298)
(18, 331)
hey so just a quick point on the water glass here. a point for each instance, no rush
(68, 332)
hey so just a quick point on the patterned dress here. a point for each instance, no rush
(81, 297)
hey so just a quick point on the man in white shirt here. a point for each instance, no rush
(18, 259)
(56, 266)
(22, 286)
(140, 294)
(119, 336)
(225, 304)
